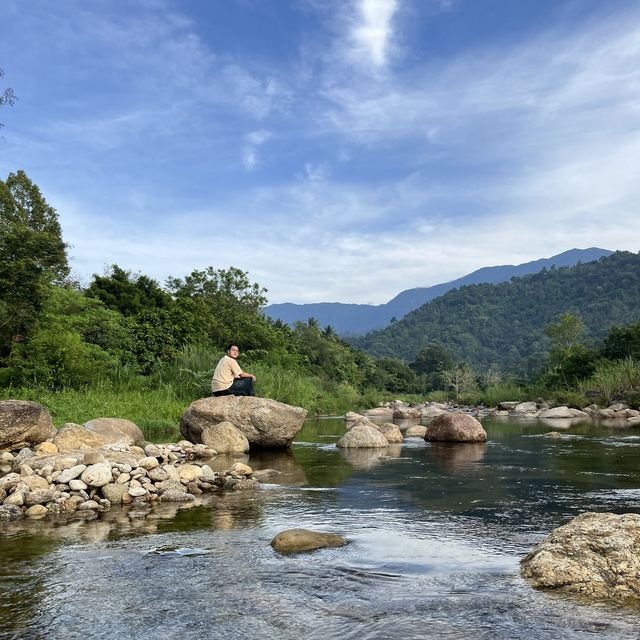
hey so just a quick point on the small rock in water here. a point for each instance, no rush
(298, 540)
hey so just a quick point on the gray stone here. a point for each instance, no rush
(23, 423)
(137, 492)
(148, 463)
(77, 485)
(595, 554)
(557, 412)
(264, 422)
(9, 481)
(73, 436)
(381, 413)
(391, 432)
(176, 496)
(36, 483)
(9, 513)
(39, 497)
(116, 430)
(93, 457)
(66, 475)
(114, 492)
(300, 540)
(525, 407)
(362, 436)
(97, 475)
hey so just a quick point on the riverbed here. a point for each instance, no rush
(435, 534)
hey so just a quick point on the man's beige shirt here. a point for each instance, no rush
(226, 371)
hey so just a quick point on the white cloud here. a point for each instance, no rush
(372, 30)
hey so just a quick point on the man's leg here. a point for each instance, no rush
(241, 387)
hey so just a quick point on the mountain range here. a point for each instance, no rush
(357, 319)
(502, 325)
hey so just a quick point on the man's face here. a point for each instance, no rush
(234, 352)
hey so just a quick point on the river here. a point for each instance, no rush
(436, 534)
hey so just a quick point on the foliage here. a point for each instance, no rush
(611, 381)
(622, 342)
(127, 292)
(460, 379)
(32, 257)
(432, 361)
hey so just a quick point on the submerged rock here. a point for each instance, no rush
(595, 554)
(299, 540)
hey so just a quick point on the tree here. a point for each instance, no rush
(224, 305)
(622, 342)
(460, 378)
(565, 333)
(32, 257)
(127, 292)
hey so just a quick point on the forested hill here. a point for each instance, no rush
(357, 319)
(502, 325)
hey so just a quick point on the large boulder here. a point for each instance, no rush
(596, 554)
(74, 436)
(225, 438)
(23, 423)
(264, 422)
(116, 430)
(362, 436)
(297, 540)
(557, 412)
(455, 427)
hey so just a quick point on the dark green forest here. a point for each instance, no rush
(502, 326)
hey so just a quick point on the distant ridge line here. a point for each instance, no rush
(356, 319)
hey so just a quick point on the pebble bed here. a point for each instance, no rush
(45, 482)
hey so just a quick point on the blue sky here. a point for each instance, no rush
(337, 150)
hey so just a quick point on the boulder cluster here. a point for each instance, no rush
(618, 411)
(87, 468)
(444, 426)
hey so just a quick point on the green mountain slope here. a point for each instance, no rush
(502, 325)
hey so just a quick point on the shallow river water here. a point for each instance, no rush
(436, 534)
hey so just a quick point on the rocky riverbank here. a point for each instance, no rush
(398, 410)
(85, 469)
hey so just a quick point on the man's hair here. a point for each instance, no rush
(231, 344)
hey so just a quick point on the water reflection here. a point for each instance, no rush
(367, 458)
(457, 456)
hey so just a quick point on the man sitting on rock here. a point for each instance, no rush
(229, 379)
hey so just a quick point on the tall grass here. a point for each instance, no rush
(155, 411)
(619, 380)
